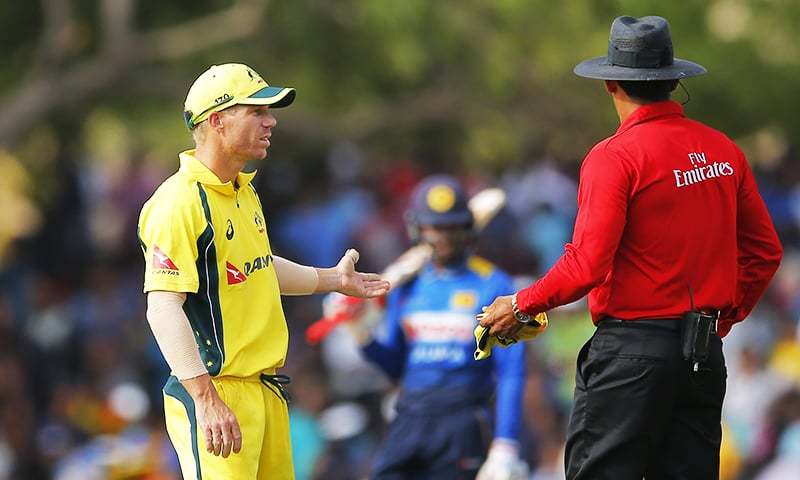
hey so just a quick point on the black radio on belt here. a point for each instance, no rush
(698, 326)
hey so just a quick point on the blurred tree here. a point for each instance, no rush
(79, 54)
(473, 82)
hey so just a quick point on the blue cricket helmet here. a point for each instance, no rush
(439, 200)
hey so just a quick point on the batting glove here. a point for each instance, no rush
(503, 463)
(485, 342)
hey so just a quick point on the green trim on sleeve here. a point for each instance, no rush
(141, 242)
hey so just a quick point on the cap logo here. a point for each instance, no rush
(254, 76)
(441, 198)
(225, 98)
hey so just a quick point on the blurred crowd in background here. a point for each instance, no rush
(80, 390)
(90, 95)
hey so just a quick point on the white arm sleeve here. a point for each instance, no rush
(295, 279)
(174, 334)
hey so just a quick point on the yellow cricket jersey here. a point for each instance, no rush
(209, 239)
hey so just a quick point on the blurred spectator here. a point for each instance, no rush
(81, 392)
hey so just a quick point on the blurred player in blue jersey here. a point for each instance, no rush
(443, 425)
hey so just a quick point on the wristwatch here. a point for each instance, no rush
(521, 316)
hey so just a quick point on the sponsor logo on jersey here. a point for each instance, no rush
(257, 264)
(439, 336)
(437, 353)
(701, 170)
(234, 274)
(162, 262)
(464, 300)
(439, 326)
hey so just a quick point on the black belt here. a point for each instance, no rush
(277, 384)
(671, 324)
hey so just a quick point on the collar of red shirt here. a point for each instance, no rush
(649, 112)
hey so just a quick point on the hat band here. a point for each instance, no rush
(194, 119)
(645, 58)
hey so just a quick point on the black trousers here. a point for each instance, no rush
(640, 412)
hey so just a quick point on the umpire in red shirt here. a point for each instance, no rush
(674, 245)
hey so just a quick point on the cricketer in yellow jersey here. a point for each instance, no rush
(213, 286)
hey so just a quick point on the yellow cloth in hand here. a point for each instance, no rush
(485, 341)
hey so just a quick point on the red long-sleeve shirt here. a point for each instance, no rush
(664, 205)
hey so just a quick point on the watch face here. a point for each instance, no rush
(521, 316)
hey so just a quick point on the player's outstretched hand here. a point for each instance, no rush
(499, 318)
(357, 284)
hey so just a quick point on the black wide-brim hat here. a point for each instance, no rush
(639, 49)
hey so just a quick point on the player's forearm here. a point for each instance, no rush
(173, 334)
(509, 398)
(510, 367)
(296, 279)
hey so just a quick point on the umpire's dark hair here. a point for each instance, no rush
(649, 91)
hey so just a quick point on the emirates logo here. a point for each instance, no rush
(701, 170)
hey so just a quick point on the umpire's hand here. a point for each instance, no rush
(214, 418)
(499, 318)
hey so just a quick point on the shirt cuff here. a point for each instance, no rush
(527, 301)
